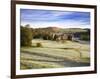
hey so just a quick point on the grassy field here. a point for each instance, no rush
(53, 54)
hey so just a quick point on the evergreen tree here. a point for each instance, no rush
(26, 36)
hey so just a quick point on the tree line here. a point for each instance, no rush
(27, 34)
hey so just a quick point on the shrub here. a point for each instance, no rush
(39, 45)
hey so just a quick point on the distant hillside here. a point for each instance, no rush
(73, 30)
(63, 30)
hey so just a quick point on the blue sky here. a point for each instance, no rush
(52, 18)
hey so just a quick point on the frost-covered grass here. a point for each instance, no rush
(37, 65)
(52, 52)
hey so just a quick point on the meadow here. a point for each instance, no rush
(54, 54)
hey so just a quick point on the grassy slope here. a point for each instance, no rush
(54, 54)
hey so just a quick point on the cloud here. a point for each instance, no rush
(51, 17)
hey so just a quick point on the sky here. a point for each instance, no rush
(54, 18)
